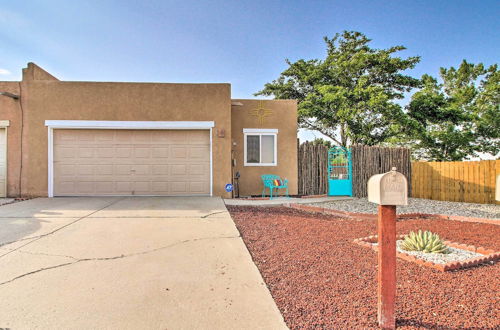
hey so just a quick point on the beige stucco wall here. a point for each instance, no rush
(43, 97)
(10, 109)
(61, 100)
(283, 117)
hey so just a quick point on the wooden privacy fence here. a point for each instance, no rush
(313, 169)
(471, 182)
(366, 161)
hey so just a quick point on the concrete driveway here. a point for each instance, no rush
(128, 263)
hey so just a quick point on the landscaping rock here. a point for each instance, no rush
(419, 205)
(440, 258)
(320, 279)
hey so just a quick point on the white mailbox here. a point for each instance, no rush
(389, 188)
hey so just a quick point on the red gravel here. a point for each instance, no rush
(320, 279)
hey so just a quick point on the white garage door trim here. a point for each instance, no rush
(99, 124)
(3, 126)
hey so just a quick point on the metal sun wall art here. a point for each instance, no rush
(261, 113)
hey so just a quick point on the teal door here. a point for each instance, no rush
(339, 172)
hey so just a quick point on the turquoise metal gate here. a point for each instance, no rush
(339, 172)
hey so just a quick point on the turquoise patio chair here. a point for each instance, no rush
(269, 182)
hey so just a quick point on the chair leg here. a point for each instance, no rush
(271, 196)
(287, 195)
(263, 192)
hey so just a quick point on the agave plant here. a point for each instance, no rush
(424, 241)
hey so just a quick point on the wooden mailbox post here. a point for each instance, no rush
(388, 190)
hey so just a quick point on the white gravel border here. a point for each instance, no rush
(439, 258)
(418, 205)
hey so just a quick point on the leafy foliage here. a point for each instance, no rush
(424, 241)
(350, 95)
(320, 141)
(459, 117)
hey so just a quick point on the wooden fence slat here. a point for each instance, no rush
(463, 187)
(492, 181)
(423, 172)
(455, 181)
(469, 181)
(475, 185)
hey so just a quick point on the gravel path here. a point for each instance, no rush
(419, 205)
(321, 280)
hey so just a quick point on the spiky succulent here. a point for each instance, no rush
(424, 241)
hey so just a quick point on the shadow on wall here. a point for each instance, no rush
(470, 182)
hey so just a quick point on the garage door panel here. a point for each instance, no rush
(161, 169)
(85, 187)
(104, 169)
(142, 170)
(178, 187)
(197, 169)
(141, 137)
(142, 152)
(197, 152)
(105, 187)
(178, 152)
(105, 152)
(65, 169)
(198, 187)
(160, 152)
(142, 187)
(121, 152)
(128, 162)
(178, 169)
(86, 170)
(104, 136)
(85, 153)
(66, 186)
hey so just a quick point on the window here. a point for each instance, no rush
(260, 147)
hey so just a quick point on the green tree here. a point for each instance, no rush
(320, 141)
(350, 95)
(456, 119)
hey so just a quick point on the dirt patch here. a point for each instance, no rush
(320, 279)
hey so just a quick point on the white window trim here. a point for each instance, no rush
(260, 131)
(99, 124)
(115, 124)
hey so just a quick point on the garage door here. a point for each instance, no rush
(131, 162)
(3, 161)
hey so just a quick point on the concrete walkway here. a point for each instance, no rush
(282, 200)
(6, 201)
(128, 263)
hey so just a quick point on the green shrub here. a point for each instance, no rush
(424, 241)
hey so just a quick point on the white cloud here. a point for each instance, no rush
(4, 72)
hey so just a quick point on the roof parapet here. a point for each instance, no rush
(34, 72)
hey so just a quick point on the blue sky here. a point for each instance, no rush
(240, 42)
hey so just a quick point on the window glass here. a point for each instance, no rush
(267, 152)
(253, 154)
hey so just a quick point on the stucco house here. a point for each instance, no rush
(72, 138)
